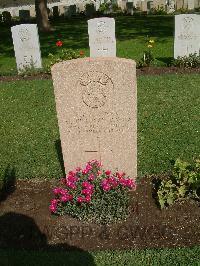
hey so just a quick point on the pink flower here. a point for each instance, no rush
(91, 177)
(72, 178)
(80, 199)
(106, 187)
(52, 208)
(88, 198)
(131, 183)
(66, 198)
(120, 175)
(59, 191)
(71, 184)
(104, 182)
(87, 185)
(53, 205)
(88, 167)
(86, 191)
(78, 169)
(71, 173)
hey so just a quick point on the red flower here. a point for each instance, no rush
(59, 43)
(81, 53)
(108, 172)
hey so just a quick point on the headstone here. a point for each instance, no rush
(171, 7)
(102, 40)
(150, 5)
(89, 10)
(144, 5)
(191, 4)
(97, 112)
(24, 15)
(6, 17)
(122, 4)
(197, 4)
(187, 35)
(129, 8)
(179, 4)
(26, 46)
(72, 10)
(55, 12)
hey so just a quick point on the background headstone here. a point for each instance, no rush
(129, 8)
(187, 35)
(171, 7)
(96, 103)
(89, 10)
(26, 46)
(24, 15)
(150, 5)
(102, 40)
(55, 12)
(191, 4)
(6, 17)
(72, 10)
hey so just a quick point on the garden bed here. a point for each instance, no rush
(140, 72)
(26, 222)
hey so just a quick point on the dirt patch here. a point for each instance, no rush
(18, 77)
(166, 70)
(25, 222)
(140, 72)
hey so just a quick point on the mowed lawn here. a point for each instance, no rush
(131, 34)
(168, 125)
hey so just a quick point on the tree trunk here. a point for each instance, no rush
(42, 15)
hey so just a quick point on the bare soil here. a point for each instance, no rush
(25, 222)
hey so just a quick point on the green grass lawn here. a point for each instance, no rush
(131, 33)
(168, 125)
(159, 257)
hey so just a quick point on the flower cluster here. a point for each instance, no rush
(83, 185)
(150, 43)
(113, 181)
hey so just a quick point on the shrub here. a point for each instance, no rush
(93, 194)
(62, 55)
(191, 61)
(158, 11)
(183, 183)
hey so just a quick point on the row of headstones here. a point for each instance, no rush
(24, 15)
(89, 9)
(56, 11)
(102, 40)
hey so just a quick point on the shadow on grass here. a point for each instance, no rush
(60, 155)
(166, 60)
(74, 33)
(8, 183)
(20, 233)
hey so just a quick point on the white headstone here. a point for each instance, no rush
(171, 7)
(191, 4)
(26, 46)
(102, 40)
(187, 35)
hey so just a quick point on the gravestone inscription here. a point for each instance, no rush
(102, 40)
(26, 46)
(96, 102)
(187, 35)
